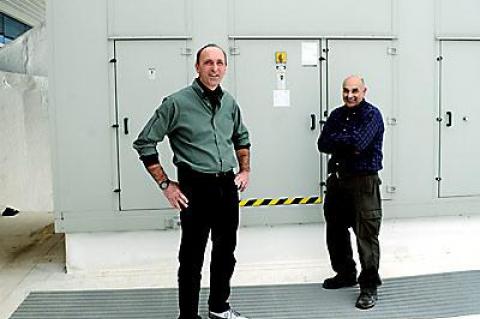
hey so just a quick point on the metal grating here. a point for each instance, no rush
(443, 295)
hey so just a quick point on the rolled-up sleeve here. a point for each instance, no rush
(159, 125)
(240, 135)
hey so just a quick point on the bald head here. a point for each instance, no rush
(353, 90)
(354, 79)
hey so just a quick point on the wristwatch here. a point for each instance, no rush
(164, 184)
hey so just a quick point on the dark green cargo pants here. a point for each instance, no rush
(355, 202)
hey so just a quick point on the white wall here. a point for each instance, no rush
(25, 162)
(415, 102)
(418, 26)
(25, 167)
(312, 17)
(81, 110)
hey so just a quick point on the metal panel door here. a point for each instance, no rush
(373, 61)
(146, 72)
(285, 160)
(460, 111)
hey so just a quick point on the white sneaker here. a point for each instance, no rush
(229, 314)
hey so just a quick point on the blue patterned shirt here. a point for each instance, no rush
(354, 138)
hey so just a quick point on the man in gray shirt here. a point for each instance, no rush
(208, 139)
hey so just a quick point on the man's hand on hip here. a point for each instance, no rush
(241, 180)
(175, 196)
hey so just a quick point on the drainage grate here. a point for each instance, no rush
(442, 295)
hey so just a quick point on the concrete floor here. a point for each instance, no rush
(32, 257)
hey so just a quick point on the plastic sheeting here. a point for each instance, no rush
(25, 160)
(27, 54)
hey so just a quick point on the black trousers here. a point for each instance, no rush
(354, 202)
(213, 209)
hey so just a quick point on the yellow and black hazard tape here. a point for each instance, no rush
(254, 202)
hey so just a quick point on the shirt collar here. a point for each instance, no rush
(357, 108)
(206, 92)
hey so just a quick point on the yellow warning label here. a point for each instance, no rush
(281, 57)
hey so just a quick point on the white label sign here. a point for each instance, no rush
(281, 98)
(309, 53)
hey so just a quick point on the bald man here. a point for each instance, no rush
(353, 136)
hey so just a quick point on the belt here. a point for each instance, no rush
(341, 175)
(189, 173)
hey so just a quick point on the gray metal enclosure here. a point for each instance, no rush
(112, 64)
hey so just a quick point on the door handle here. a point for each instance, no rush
(125, 125)
(313, 123)
(449, 119)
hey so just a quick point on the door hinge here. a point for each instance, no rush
(392, 51)
(113, 60)
(439, 119)
(321, 59)
(115, 126)
(186, 51)
(438, 178)
(391, 189)
(234, 50)
(439, 58)
(116, 190)
(391, 121)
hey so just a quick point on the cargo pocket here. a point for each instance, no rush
(369, 223)
(368, 195)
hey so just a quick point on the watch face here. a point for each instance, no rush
(164, 184)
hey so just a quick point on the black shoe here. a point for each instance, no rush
(339, 282)
(367, 299)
